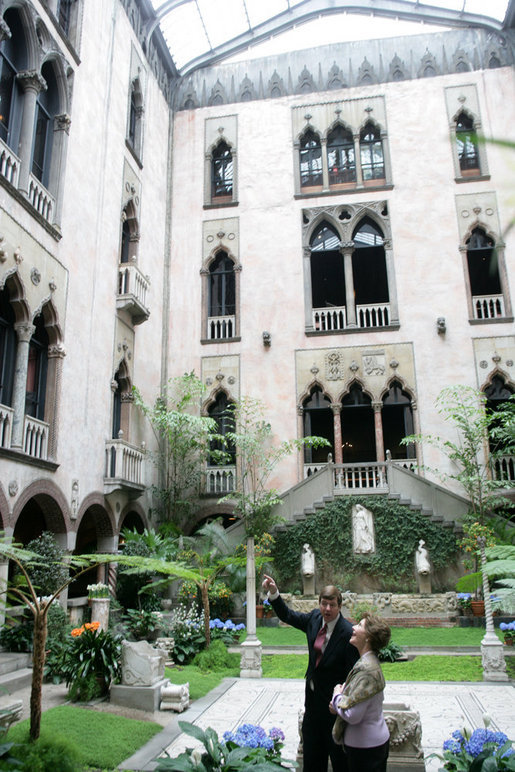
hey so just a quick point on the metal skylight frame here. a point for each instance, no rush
(204, 32)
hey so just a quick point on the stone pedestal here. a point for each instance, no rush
(308, 585)
(424, 584)
(250, 662)
(100, 611)
(406, 754)
(492, 658)
(140, 697)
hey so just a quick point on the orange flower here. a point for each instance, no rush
(77, 631)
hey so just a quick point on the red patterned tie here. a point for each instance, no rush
(319, 643)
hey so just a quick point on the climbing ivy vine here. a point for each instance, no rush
(329, 532)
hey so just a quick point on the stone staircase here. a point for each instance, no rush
(15, 671)
(390, 479)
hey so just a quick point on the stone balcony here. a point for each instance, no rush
(132, 292)
(123, 467)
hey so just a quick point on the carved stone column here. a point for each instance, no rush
(492, 652)
(308, 292)
(392, 284)
(300, 433)
(62, 125)
(378, 427)
(24, 331)
(337, 426)
(357, 161)
(250, 662)
(347, 250)
(4, 576)
(31, 84)
(325, 168)
(56, 354)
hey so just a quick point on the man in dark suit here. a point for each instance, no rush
(331, 657)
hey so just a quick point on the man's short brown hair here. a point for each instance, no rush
(330, 592)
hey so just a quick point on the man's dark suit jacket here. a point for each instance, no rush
(339, 656)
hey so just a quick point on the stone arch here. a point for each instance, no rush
(315, 383)
(356, 381)
(17, 297)
(498, 371)
(482, 225)
(51, 320)
(214, 254)
(309, 127)
(52, 504)
(314, 224)
(5, 515)
(369, 121)
(96, 499)
(213, 397)
(463, 110)
(24, 12)
(338, 122)
(405, 387)
(59, 68)
(366, 212)
(210, 511)
(95, 533)
(133, 510)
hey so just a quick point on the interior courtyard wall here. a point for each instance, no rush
(428, 264)
(83, 259)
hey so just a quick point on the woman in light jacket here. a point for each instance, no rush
(360, 726)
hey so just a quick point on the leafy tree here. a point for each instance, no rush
(256, 459)
(25, 592)
(50, 572)
(465, 409)
(185, 440)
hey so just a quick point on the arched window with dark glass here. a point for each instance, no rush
(467, 144)
(318, 422)
(222, 286)
(371, 153)
(13, 59)
(370, 275)
(497, 393)
(485, 283)
(358, 430)
(341, 161)
(117, 408)
(126, 237)
(46, 109)
(221, 171)
(397, 418)
(310, 159)
(220, 411)
(37, 371)
(8, 343)
(327, 278)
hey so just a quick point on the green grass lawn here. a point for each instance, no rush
(404, 636)
(103, 740)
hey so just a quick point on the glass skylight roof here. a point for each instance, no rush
(198, 32)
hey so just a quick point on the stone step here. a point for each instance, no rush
(12, 660)
(18, 679)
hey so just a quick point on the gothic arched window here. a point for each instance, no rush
(310, 160)
(222, 171)
(341, 161)
(371, 153)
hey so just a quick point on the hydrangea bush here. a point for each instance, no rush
(246, 748)
(508, 628)
(479, 751)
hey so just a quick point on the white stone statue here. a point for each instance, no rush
(362, 529)
(307, 567)
(307, 561)
(422, 559)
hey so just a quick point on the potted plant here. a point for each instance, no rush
(98, 590)
(508, 629)
(464, 602)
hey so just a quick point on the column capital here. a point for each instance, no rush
(377, 407)
(56, 351)
(31, 80)
(300, 410)
(63, 122)
(336, 408)
(346, 247)
(24, 331)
